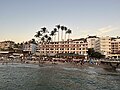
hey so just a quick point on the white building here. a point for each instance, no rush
(91, 41)
(30, 47)
(115, 48)
(103, 45)
(115, 45)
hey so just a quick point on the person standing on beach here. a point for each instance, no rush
(82, 62)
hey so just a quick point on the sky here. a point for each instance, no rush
(21, 19)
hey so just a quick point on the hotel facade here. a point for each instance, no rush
(115, 45)
(77, 46)
(115, 48)
(104, 45)
(108, 46)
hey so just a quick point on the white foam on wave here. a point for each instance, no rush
(91, 70)
(72, 69)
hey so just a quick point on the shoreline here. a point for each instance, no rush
(67, 64)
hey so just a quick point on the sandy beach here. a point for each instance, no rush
(58, 63)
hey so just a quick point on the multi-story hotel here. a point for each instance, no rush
(103, 45)
(77, 46)
(91, 41)
(115, 46)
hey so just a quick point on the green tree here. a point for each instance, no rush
(92, 54)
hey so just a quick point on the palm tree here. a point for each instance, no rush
(42, 36)
(55, 30)
(33, 41)
(42, 39)
(65, 29)
(68, 32)
(46, 36)
(52, 34)
(58, 27)
(62, 28)
(44, 33)
(44, 30)
(49, 39)
(38, 35)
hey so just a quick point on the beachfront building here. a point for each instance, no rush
(77, 46)
(30, 47)
(115, 45)
(6, 45)
(103, 45)
(91, 41)
(115, 48)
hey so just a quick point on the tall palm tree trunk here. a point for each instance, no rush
(54, 38)
(68, 37)
(58, 40)
(65, 36)
(62, 35)
(58, 35)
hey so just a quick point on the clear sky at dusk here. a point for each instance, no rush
(20, 19)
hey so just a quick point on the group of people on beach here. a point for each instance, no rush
(53, 60)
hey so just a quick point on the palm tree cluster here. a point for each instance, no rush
(42, 35)
(64, 30)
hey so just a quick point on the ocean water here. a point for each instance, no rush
(57, 77)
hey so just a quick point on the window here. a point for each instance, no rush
(83, 48)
